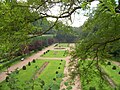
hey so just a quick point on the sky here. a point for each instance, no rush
(77, 19)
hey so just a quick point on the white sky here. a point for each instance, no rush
(77, 19)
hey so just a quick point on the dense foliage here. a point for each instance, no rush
(101, 35)
(19, 23)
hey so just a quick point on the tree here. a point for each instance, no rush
(102, 33)
(100, 37)
(17, 18)
(17, 23)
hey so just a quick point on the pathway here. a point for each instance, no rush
(116, 63)
(19, 65)
(77, 84)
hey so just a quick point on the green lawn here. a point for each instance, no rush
(50, 72)
(112, 73)
(53, 54)
(92, 78)
(24, 77)
(14, 61)
(63, 45)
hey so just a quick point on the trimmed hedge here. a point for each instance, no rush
(109, 63)
(29, 63)
(114, 67)
(24, 67)
(92, 88)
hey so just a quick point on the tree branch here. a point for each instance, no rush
(45, 30)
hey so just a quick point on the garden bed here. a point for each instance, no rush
(55, 53)
(113, 71)
(91, 78)
(24, 79)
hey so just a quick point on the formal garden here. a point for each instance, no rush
(26, 78)
(47, 74)
(59, 44)
(55, 53)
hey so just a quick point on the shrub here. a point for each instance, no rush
(69, 88)
(114, 67)
(66, 83)
(56, 72)
(17, 71)
(61, 60)
(60, 63)
(29, 63)
(58, 67)
(92, 88)
(119, 72)
(7, 79)
(33, 60)
(109, 63)
(54, 79)
(42, 82)
(24, 67)
(44, 52)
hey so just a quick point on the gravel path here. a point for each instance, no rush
(77, 84)
(116, 63)
(66, 74)
(19, 65)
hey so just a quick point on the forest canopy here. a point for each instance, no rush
(17, 20)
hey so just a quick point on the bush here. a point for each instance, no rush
(58, 67)
(44, 52)
(61, 60)
(119, 72)
(7, 79)
(33, 60)
(17, 71)
(54, 79)
(24, 67)
(92, 88)
(56, 72)
(29, 63)
(69, 88)
(60, 63)
(66, 83)
(109, 63)
(42, 82)
(114, 67)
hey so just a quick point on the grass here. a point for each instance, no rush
(91, 77)
(63, 45)
(54, 54)
(50, 72)
(15, 60)
(25, 76)
(112, 73)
